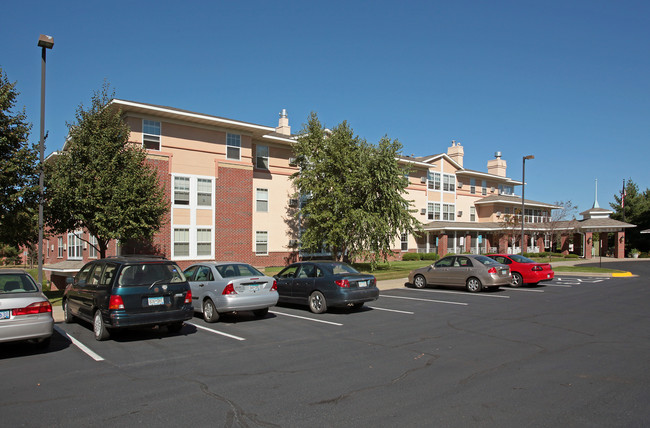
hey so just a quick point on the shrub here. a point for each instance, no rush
(572, 256)
(450, 254)
(411, 257)
(430, 256)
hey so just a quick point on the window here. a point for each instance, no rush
(74, 246)
(233, 146)
(484, 188)
(92, 250)
(506, 190)
(448, 212)
(182, 190)
(150, 134)
(434, 181)
(261, 243)
(472, 186)
(181, 242)
(405, 241)
(433, 211)
(262, 200)
(472, 213)
(204, 242)
(449, 183)
(59, 242)
(262, 157)
(203, 192)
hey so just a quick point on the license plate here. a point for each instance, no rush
(156, 301)
(504, 272)
(4, 315)
(254, 288)
(363, 283)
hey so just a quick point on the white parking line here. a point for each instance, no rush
(464, 293)
(559, 285)
(305, 318)
(215, 331)
(425, 300)
(530, 290)
(391, 310)
(78, 344)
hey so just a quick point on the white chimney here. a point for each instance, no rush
(283, 124)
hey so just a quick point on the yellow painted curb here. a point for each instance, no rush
(622, 274)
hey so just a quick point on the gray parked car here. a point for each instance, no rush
(221, 287)
(25, 312)
(470, 271)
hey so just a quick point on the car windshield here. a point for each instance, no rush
(237, 269)
(521, 259)
(17, 283)
(150, 273)
(486, 260)
(338, 268)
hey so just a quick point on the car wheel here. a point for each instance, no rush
(317, 303)
(175, 327)
(210, 313)
(419, 281)
(517, 280)
(99, 328)
(67, 315)
(474, 285)
(261, 313)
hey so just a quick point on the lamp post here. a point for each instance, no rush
(523, 189)
(44, 42)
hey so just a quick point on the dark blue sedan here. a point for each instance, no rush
(320, 284)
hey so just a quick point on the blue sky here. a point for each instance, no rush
(566, 81)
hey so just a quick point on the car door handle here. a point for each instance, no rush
(201, 285)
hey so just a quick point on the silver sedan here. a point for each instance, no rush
(470, 271)
(221, 287)
(25, 312)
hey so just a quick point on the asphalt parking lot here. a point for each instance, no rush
(572, 353)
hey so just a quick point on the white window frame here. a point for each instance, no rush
(181, 190)
(203, 190)
(194, 224)
(448, 183)
(484, 188)
(75, 246)
(176, 241)
(92, 251)
(59, 254)
(261, 238)
(262, 157)
(149, 137)
(434, 181)
(449, 212)
(472, 186)
(472, 213)
(261, 196)
(204, 240)
(233, 141)
(404, 241)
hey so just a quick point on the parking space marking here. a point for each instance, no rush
(215, 331)
(391, 310)
(78, 344)
(306, 318)
(464, 293)
(530, 290)
(426, 300)
(559, 285)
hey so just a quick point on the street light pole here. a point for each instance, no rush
(523, 190)
(44, 42)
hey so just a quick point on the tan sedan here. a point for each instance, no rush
(473, 272)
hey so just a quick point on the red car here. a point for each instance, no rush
(524, 270)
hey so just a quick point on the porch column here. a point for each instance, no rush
(524, 244)
(503, 244)
(442, 244)
(619, 246)
(588, 244)
(564, 244)
(604, 244)
(540, 243)
(468, 243)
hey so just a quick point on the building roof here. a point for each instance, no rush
(513, 200)
(67, 266)
(589, 225)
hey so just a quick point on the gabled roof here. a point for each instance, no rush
(426, 161)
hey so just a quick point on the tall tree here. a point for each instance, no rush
(633, 206)
(101, 182)
(353, 193)
(18, 171)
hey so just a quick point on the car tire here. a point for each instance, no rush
(99, 327)
(474, 285)
(67, 315)
(517, 280)
(419, 281)
(210, 313)
(260, 313)
(317, 303)
(175, 327)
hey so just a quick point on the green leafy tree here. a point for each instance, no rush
(353, 193)
(101, 182)
(18, 172)
(634, 209)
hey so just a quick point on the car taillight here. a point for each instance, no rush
(229, 289)
(492, 270)
(274, 287)
(115, 302)
(34, 308)
(537, 268)
(343, 283)
(188, 297)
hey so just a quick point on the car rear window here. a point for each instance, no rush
(234, 270)
(149, 273)
(17, 283)
(521, 259)
(486, 260)
(338, 268)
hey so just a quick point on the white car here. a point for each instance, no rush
(25, 312)
(221, 287)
